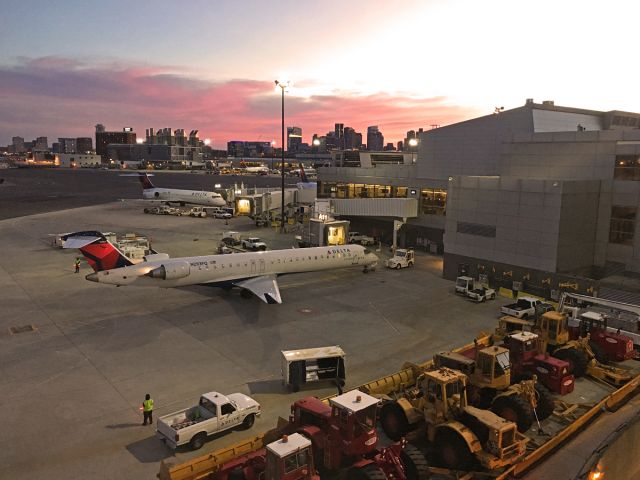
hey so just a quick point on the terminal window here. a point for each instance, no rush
(434, 201)
(627, 167)
(623, 225)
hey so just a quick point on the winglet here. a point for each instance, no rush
(303, 176)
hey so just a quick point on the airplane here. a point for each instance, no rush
(261, 169)
(304, 180)
(254, 272)
(174, 195)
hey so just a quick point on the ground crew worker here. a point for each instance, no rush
(147, 409)
(77, 264)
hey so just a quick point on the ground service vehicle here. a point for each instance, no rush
(344, 438)
(289, 458)
(554, 334)
(490, 385)
(481, 294)
(527, 360)
(362, 239)
(198, 212)
(253, 243)
(461, 435)
(606, 345)
(163, 210)
(621, 317)
(525, 307)
(464, 284)
(508, 324)
(214, 413)
(402, 258)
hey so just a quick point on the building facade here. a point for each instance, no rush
(104, 138)
(375, 139)
(536, 190)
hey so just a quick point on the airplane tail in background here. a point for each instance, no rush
(145, 181)
(100, 254)
(303, 176)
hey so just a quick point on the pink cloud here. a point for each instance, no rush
(59, 97)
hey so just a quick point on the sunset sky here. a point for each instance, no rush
(211, 65)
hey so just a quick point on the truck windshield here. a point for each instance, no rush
(400, 254)
(461, 282)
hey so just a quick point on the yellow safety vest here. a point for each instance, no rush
(147, 405)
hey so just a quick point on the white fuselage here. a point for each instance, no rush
(214, 269)
(256, 170)
(173, 195)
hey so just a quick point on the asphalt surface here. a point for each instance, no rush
(27, 191)
(71, 389)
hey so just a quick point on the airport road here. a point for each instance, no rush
(30, 191)
(70, 391)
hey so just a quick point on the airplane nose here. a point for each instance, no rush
(92, 277)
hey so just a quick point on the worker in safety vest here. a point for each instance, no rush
(147, 409)
(77, 264)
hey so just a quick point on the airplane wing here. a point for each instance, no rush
(265, 288)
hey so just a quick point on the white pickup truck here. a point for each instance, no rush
(525, 307)
(214, 413)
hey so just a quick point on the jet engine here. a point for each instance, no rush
(171, 271)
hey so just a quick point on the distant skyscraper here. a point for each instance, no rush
(67, 145)
(294, 139)
(352, 139)
(84, 144)
(103, 138)
(42, 143)
(18, 145)
(339, 134)
(375, 139)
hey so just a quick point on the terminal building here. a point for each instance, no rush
(525, 192)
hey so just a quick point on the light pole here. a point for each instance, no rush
(413, 143)
(283, 87)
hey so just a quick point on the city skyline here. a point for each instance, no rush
(70, 65)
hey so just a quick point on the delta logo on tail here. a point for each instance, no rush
(100, 254)
(303, 176)
(145, 181)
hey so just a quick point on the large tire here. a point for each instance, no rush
(263, 248)
(415, 463)
(480, 397)
(198, 440)
(546, 404)
(394, 421)
(600, 354)
(237, 474)
(248, 422)
(452, 450)
(398, 266)
(576, 358)
(516, 409)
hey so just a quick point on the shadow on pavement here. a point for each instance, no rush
(124, 425)
(149, 450)
(267, 386)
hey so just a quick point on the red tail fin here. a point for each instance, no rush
(100, 254)
(303, 176)
(144, 180)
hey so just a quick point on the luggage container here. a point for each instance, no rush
(308, 365)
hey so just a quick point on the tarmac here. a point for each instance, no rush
(72, 387)
(72, 382)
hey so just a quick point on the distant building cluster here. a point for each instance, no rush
(174, 148)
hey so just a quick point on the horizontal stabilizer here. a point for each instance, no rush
(265, 288)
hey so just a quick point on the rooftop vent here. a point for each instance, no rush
(548, 103)
(529, 101)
